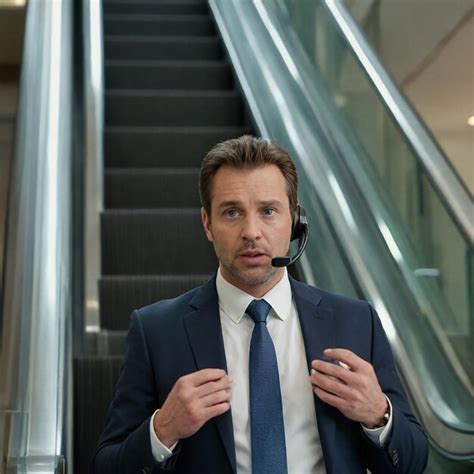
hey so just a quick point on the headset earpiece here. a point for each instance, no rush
(300, 222)
(300, 231)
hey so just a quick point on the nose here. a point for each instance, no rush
(251, 228)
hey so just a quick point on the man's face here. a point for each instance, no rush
(250, 223)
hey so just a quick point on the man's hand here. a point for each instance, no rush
(356, 392)
(194, 399)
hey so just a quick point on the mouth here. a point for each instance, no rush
(253, 256)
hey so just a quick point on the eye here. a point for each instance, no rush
(269, 211)
(231, 213)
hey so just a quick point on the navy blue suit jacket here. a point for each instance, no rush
(172, 338)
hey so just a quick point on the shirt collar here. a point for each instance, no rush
(233, 301)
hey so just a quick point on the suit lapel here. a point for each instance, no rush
(317, 326)
(203, 327)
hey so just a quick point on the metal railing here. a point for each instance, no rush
(94, 124)
(36, 360)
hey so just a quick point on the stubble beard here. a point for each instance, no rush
(247, 279)
(243, 277)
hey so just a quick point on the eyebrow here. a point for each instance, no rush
(270, 202)
(229, 204)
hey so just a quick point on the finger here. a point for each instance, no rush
(330, 398)
(205, 375)
(224, 383)
(215, 398)
(329, 384)
(348, 357)
(216, 410)
(333, 370)
(313, 381)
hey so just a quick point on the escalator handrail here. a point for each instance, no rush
(450, 189)
(36, 356)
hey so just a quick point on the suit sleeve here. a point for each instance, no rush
(125, 446)
(407, 448)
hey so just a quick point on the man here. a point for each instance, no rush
(254, 371)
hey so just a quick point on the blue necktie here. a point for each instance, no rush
(266, 414)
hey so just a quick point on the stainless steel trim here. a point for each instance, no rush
(444, 179)
(36, 339)
(94, 118)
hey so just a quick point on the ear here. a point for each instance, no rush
(206, 223)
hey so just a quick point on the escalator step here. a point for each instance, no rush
(105, 343)
(171, 108)
(155, 242)
(163, 146)
(121, 294)
(94, 383)
(162, 25)
(193, 75)
(155, 8)
(163, 48)
(151, 188)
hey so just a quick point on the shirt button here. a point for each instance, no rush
(161, 457)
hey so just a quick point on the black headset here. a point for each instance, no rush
(299, 231)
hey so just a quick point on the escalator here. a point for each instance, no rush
(388, 221)
(170, 95)
(393, 224)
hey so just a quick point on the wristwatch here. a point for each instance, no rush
(385, 417)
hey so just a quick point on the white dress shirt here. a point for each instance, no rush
(303, 446)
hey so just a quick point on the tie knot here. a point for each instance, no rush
(258, 310)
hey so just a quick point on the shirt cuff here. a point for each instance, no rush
(381, 435)
(160, 452)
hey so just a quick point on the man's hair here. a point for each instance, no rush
(247, 152)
